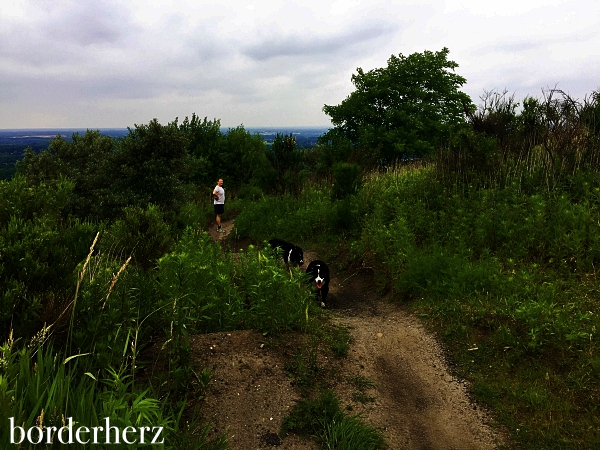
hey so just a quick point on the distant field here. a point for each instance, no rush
(13, 142)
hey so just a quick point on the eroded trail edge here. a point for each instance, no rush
(418, 404)
(414, 400)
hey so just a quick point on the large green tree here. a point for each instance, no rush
(404, 109)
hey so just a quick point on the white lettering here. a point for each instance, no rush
(125, 431)
(95, 429)
(158, 432)
(83, 435)
(108, 428)
(50, 437)
(12, 431)
(68, 428)
(81, 430)
(40, 435)
(142, 429)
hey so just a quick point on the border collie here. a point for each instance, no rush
(290, 252)
(319, 275)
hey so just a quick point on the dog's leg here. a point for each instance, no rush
(324, 292)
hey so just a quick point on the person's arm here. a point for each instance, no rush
(215, 194)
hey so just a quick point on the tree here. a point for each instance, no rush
(285, 159)
(150, 165)
(84, 160)
(405, 109)
(205, 143)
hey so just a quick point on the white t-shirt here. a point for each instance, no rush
(221, 194)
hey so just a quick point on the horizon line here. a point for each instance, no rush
(125, 128)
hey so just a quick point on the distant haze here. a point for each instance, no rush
(113, 64)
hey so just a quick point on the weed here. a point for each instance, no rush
(361, 397)
(361, 382)
(305, 367)
(323, 419)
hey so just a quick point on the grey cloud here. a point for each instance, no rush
(296, 45)
(529, 44)
(85, 24)
(66, 33)
(61, 88)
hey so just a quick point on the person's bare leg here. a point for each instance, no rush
(218, 220)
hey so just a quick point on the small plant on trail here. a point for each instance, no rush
(340, 340)
(323, 419)
(361, 382)
(305, 366)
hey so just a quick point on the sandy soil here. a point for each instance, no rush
(415, 401)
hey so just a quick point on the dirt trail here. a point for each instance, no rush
(226, 225)
(415, 402)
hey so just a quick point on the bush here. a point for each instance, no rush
(346, 180)
(142, 234)
(322, 418)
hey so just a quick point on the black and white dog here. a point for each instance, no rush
(290, 252)
(319, 274)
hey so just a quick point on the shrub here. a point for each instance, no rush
(142, 234)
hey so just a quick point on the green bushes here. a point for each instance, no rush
(347, 180)
(508, 278)
(38, 251)
(39, 387)
(312, 215)
(323, 419)
(223, 292)
(286, 217)
(194, 288)
(141, 233)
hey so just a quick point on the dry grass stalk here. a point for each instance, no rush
(74, 302)
(114, 280)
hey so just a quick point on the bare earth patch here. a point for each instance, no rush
(414, 400)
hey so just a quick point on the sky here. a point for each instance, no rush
(114, 64)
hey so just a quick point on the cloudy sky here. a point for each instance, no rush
(105, 63)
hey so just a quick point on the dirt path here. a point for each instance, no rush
(415, 401)
(226, 225)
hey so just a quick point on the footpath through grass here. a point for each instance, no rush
(507, 278)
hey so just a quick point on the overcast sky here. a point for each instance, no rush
(104, 63)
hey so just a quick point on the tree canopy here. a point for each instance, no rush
(404, 109)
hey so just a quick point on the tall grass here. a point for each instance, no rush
(509, 279)
(540, 145)
(39, 387)
(323, 419)
(85, 366)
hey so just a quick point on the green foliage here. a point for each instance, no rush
(305, 367)
(346, 179)
(86, 161)
(150, 165)
(236, 156)
(349, 433)
(252, 193)
(508, 277)
(311, 215)
(285, 159)
(196, 214)
(210, 291)
(142, 234)
(323, 419)
(44, 388)
(205, 140)
(286, 217)
(38, 251)
(243, 159)
(544, 144)
(405, 109)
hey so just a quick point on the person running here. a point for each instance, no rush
(219, 196)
